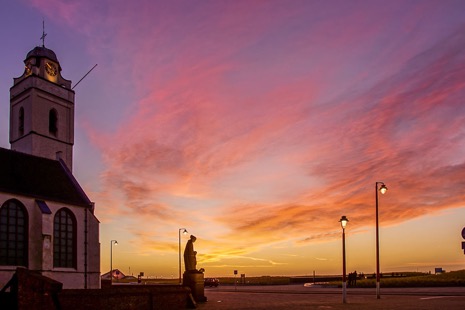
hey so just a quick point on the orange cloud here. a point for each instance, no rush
(265, 126)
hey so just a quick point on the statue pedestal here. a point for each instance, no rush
(194, 280)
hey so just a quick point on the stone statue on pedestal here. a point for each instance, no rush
(190, 259)
(192, 277)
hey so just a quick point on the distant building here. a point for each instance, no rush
(117, 275)
(47, 222)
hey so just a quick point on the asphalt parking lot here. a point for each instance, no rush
(300, 297)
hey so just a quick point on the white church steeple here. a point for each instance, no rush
(42, 108)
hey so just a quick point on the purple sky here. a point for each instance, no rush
(258, 124)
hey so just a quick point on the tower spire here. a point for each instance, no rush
(43, 34)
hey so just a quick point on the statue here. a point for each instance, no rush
(190, 260)
(192, 277)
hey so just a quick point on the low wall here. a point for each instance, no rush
(30, 290)
(127, 297)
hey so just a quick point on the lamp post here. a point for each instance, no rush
(344, 222)
(382, 189)
(111, 258)
(184, 231)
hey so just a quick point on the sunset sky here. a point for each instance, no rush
(256, 125)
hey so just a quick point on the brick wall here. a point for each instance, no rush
(29, 290)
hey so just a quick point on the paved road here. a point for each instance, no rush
(300, 297)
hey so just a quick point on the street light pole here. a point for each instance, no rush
(382, 190)
(184, 231)
(344, 222)
(111, 259)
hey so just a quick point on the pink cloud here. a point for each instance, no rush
(398, 123)
(341, 101)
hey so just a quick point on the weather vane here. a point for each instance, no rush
(43, 34)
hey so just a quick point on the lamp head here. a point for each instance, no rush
(184, 232)
(344, 220)
(383, 189)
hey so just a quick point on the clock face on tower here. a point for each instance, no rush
(28, 68)
(51, 69)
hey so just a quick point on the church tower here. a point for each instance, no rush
(42, 109)
(47, 222)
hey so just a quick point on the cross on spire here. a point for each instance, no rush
(43, 34)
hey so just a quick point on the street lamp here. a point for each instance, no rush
(344, 222)
(382, 189)
(111, 258)
(184, 231)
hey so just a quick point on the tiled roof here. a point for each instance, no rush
(40, 178)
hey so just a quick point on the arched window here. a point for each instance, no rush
(53, 122)
(21, 121)
(13, 234)
(64, 239)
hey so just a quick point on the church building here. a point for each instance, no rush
(47, 222)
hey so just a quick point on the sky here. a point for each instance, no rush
(256, 125)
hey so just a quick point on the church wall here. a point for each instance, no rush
(43, 103)
(24, 145)
(41, 245)
(93, 250)
(48, 148)
(16, 105)
(35, 232)
(37, 97)
(6, 272)
(34, 144)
